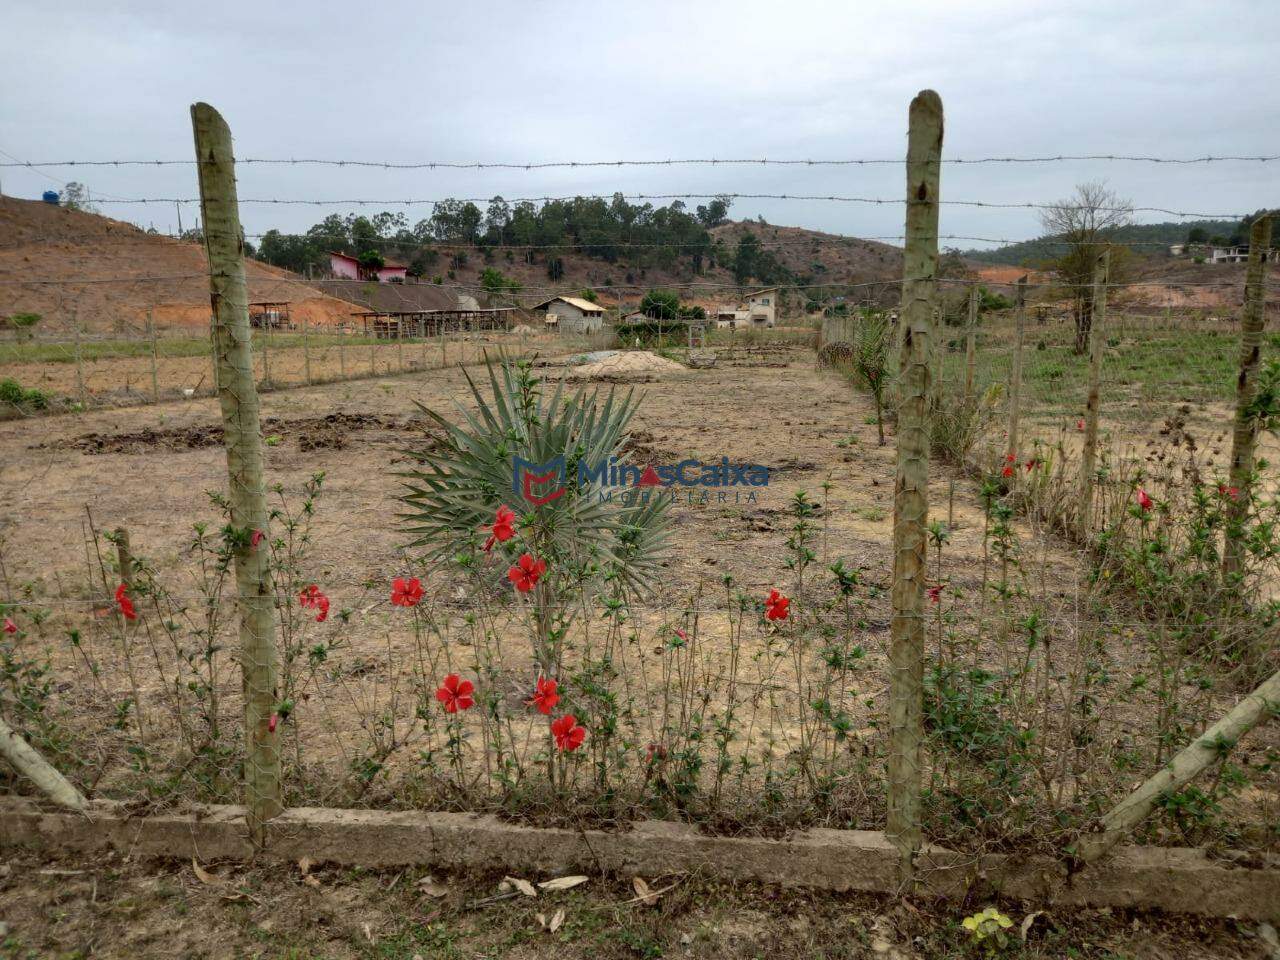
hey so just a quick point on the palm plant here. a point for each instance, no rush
(591, 536)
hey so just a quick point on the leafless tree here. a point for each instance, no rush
(1084, 222)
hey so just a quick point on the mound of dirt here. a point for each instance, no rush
(311, 433)
(637, 365)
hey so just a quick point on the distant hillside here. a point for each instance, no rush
(114, 275)
(1149, 239)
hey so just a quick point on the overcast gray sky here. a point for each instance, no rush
(547, 80)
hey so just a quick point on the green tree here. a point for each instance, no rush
(746, 258)
(661, 305)
(75, 196)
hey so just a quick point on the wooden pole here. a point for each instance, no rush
(400, 346)
(242, 428)
(342, 352)
(1015, 374)
(263, 336)
(911, 488)
(124, 556)
(1097, 343)
(155, 359)
(306, 350)
(970, 347)
(1186, 765)
(80, 389)
(1245, 434)
(24, 758)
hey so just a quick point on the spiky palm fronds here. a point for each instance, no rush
(459, 482)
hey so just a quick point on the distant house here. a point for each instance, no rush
(760, 309)
(572, 314)
(346, 267)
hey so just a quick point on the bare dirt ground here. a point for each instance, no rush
(770, 407)
(115, 380)
(112, 907)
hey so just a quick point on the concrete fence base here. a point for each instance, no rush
(1176, 880)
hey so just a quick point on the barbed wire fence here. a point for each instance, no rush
(818, 709)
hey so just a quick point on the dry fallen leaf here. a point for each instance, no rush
(644, 892)
(305, 865)
(1026, 924)
(311, 881)
(563, 883)
(368, 932)
(432, 889)
(202, 875)
(524, 886)
(556, 921)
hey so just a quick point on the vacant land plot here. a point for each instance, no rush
(695, 706)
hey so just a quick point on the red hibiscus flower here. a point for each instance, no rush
(527, 572)
(568, 734)
(256, 538)
(313, 598)
(545, 697)
(273, 723)
(1232, 492)
(1145, 503)
(503, 527)
(1007, 471)
(10, 626)
(1032, 464)
(455, 694)
(776, 606)
(935, 593)
(406, 593)
(125, 604)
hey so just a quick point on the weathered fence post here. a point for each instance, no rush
(911, 487)
(1097, 343)
(238, 398)
(400, 348)
(971, 346)
(1252, 321)
(342, 353)
(80, 388)
(1200, 753)
(263, 336)
(1015, 374)
(24, 758)
(155, 358)
(124, 556)
(306, 351)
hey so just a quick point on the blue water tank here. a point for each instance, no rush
(50, 196)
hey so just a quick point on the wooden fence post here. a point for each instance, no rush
(124, 556)
(1015, 373)
(155, 358)
(971, 347)
(911, 487)
(306, 351)
(1252, 321)
(238, 398)
(1097, 343)
(1210, 746)
(264, 335)
(342, 353)
(80, 388)
(24, 758)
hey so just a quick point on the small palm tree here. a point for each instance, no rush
(591, 536)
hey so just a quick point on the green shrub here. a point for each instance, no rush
(13, 393)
